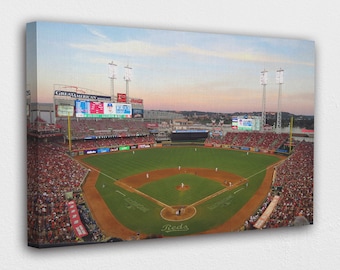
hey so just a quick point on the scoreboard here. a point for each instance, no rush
(246, 123)
(99, 109)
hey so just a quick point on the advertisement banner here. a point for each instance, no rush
(79, 95)
(121, 98)
(152, 125)
(282, 150)
(82, 107)
(142, 146)
(136, 101)
(76, 223)
(123, 109)
(123, 148)
(103, 150)
(97, 109)
(92, 151)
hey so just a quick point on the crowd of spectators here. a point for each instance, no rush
(294, 182)
(296, 179)
(81, 128)
(40, 125)
(109, 142)
(51, 174)
(262, 140)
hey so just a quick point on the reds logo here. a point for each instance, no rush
(174, 228)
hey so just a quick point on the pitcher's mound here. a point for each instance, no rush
(182, 188)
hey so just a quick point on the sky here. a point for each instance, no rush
(171, 69)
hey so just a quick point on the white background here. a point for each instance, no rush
(314, 247)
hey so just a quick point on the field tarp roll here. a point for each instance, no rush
(266, 214)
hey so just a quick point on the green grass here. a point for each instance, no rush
(165, 190)
(140, 214)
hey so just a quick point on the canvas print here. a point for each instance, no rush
(136, 133)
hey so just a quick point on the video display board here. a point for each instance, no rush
(137, 113)
(234, 123)
(64, 110)
(98, 109)
(245, 123)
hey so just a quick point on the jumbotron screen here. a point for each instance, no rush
(99, 109)
(245, 123)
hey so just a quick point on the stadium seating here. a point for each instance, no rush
(50, 175)
(263, 140)
(295, 182)
(81, 128)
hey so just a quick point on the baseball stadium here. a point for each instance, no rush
(101, 168)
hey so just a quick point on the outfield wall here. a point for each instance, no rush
(243, 148)
(110, 149)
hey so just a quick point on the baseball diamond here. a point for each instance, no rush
(191, 198)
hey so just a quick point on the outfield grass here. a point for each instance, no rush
(140, 214)
(122, 164)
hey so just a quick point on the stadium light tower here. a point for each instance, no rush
(279, 81)
(112, 77)
(263, 81)
(127, 79)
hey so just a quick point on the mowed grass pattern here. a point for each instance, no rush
(166, 191)
(122, 164)
(142, 215)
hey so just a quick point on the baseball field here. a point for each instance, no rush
(175, 191)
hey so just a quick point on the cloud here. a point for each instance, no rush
(248, 55)
(96, 32)
(131, 48)
(136, 48)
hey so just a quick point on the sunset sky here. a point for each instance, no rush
(174, 70)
